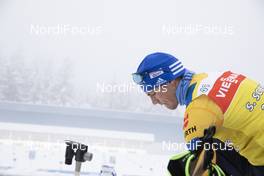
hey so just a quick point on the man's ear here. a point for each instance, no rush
(175, 82)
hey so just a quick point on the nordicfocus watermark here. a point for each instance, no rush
(181, 146)
(64, 29)
(195, 29)
(103, 87)
(76, 146)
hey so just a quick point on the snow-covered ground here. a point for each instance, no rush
(20, 155)
(31, 146)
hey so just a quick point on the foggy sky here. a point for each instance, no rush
(120, 33)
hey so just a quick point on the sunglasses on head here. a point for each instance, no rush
(139, 77)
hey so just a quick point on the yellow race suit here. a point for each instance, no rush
(235, 105)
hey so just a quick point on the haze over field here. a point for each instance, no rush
(102, 42)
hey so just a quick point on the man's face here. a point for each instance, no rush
(165, 95)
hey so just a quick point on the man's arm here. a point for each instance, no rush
(201, 114)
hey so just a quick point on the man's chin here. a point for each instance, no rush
(171, 107)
